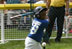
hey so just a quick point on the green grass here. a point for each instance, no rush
(65, 44)
(15, 33)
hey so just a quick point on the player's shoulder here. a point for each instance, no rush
(45, 21)
(42, 21)
(36, 21)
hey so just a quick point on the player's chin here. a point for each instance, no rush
(44, 18)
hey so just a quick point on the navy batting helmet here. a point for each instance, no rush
(39, 9)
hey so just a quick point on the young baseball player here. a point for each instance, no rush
(39, 23)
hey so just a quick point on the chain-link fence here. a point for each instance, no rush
(13, 26)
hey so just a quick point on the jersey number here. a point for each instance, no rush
(34, 28)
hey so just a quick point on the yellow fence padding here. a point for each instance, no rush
(24, 6)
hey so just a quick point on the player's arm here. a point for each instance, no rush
(67, 7)
(45, 37)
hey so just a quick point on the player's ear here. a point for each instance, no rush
(38, 15)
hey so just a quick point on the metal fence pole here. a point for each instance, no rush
(2, 26)
(66, 27)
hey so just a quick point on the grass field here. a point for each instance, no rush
(65, 44)
(15, 33)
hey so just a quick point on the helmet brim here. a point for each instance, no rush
(44, 9)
